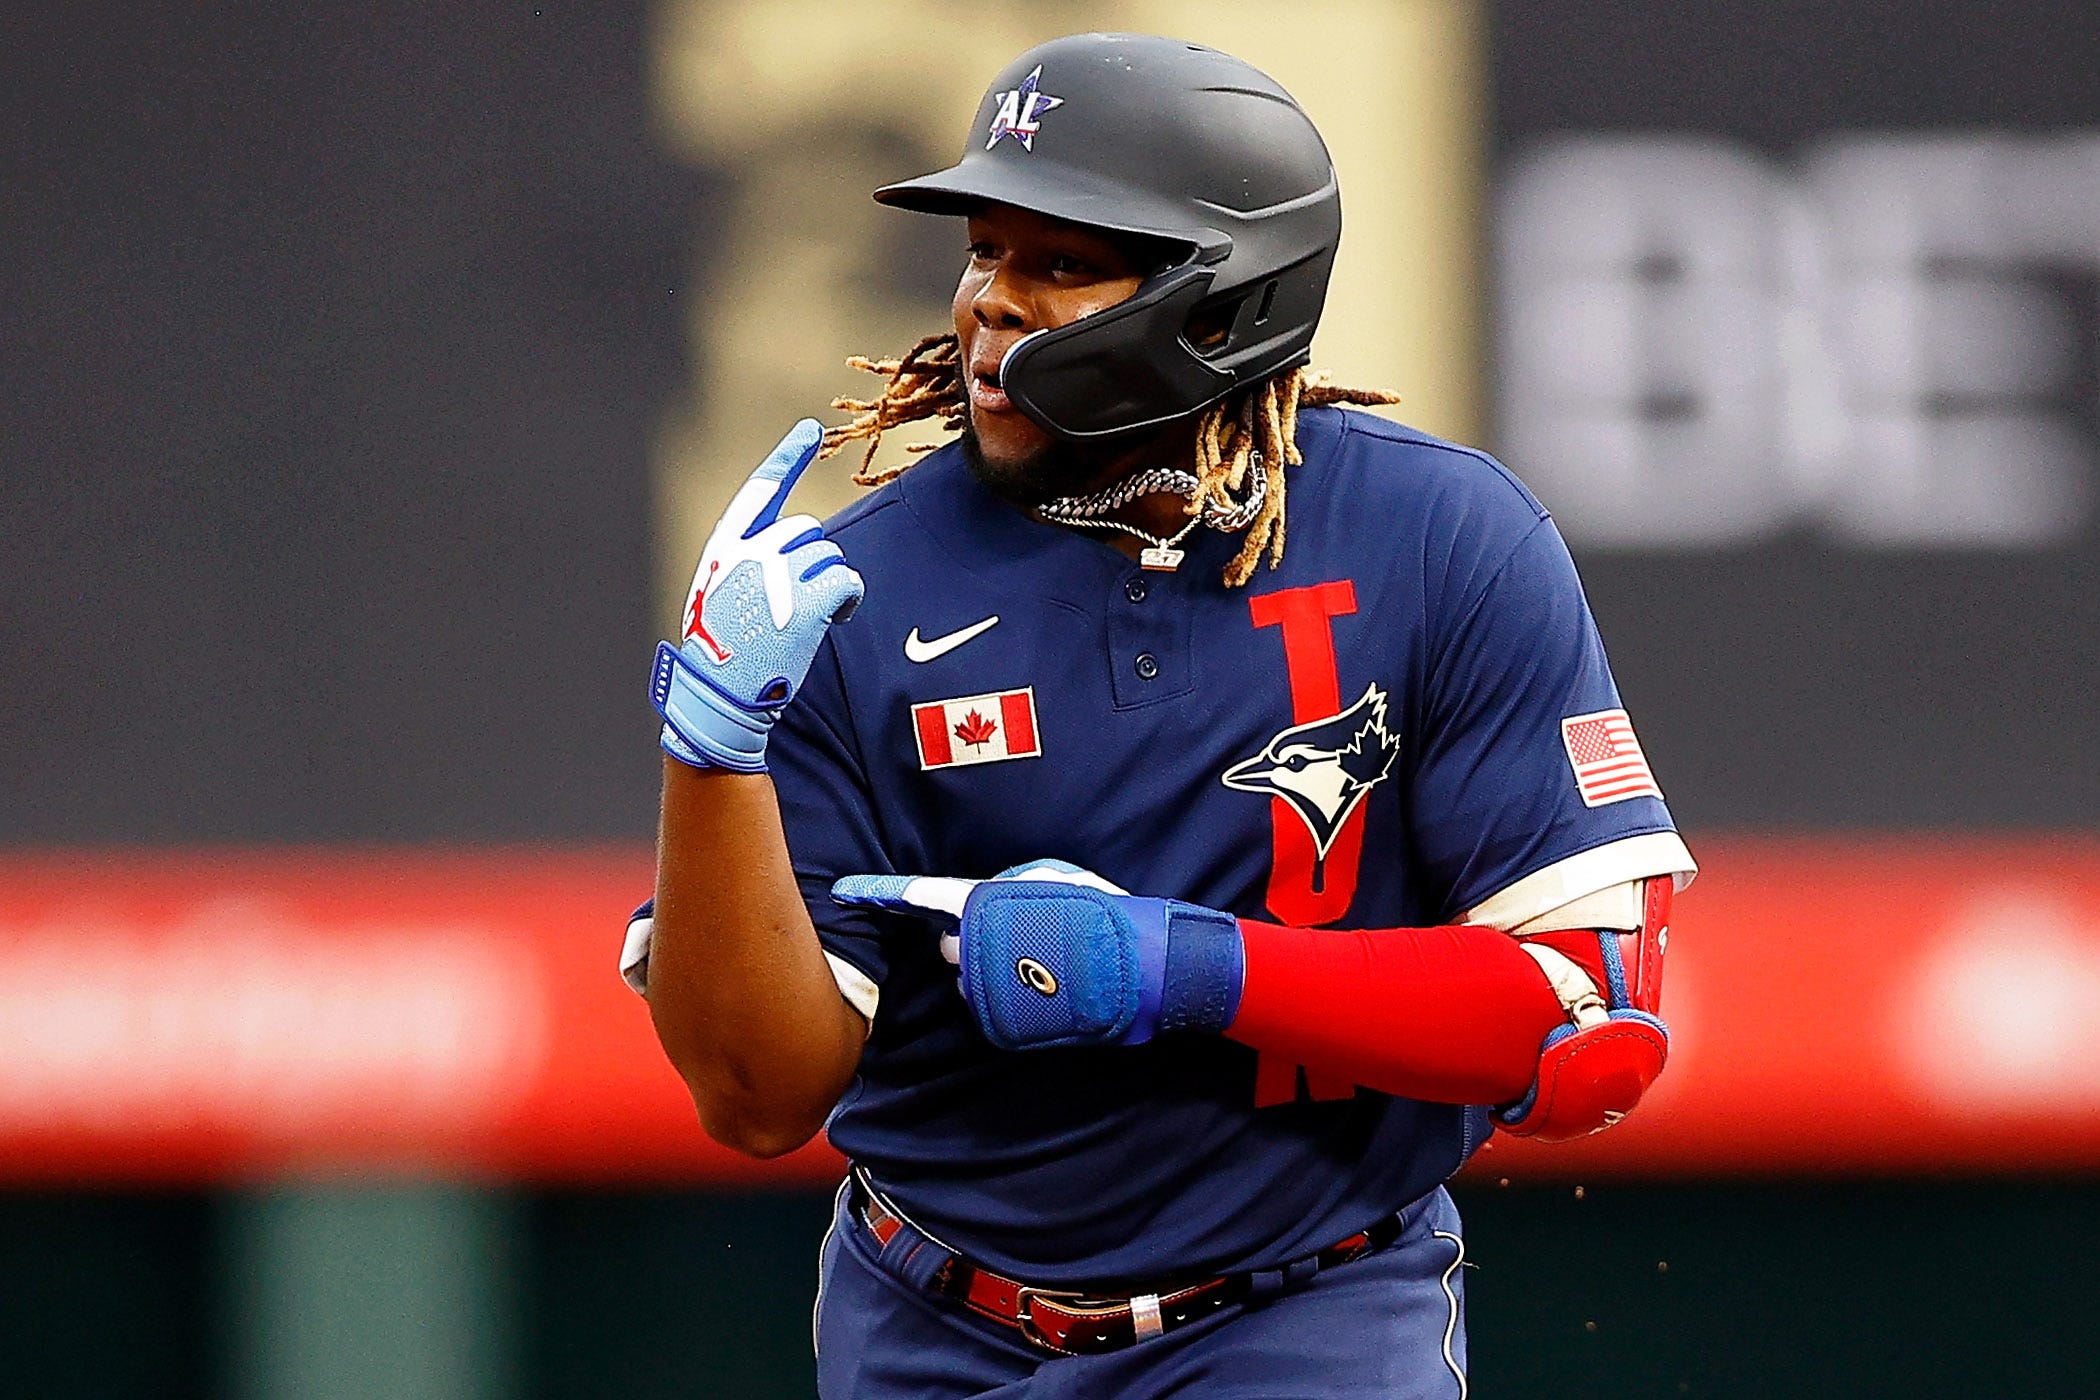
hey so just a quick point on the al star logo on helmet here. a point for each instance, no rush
(1021, 112)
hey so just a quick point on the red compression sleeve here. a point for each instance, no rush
(1450, 1015)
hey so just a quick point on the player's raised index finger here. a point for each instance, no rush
(924, 894)
(759, 500)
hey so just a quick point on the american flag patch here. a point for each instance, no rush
(977, 729)
(1608, 762)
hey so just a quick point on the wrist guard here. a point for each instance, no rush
(1052, 955)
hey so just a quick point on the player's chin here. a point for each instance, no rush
(1012, 458)
(1007, 439)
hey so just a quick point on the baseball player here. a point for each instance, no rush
(1155, 903)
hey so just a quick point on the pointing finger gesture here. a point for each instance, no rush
(764, 594)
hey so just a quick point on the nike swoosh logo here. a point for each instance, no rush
(916, 650)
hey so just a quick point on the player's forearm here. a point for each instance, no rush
(1449, 1015)
(1051, 955)
(744, 1003)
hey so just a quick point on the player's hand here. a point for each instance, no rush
(765, 593)
(1050, 954)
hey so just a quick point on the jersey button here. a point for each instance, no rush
(1147, 666)
(1135, 590)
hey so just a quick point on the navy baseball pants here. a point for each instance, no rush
(1390, 1325)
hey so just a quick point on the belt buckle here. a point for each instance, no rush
(1024, 1314)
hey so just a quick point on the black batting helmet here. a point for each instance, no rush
(1170, 140)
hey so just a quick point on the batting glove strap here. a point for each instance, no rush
(1205, 969)
(667, 739)
(703, 725)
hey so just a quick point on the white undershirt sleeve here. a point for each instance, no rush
(1601, 871)
(855, 986)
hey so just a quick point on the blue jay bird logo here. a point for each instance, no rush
(1324, 768)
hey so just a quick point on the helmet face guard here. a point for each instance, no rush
(1121, 369)
(1142, 135)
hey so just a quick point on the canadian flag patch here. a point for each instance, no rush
(1608, 762)
(977, 729)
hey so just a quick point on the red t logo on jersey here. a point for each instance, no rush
(1311, 881)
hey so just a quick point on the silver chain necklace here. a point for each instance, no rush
(1087, 512)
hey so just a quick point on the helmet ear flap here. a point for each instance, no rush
(1226, 324)
(1272, 328)
(1209, 328)
(1268, 302)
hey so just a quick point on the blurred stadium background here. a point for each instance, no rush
(377, 369)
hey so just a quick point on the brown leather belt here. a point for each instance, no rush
(1083, 1324)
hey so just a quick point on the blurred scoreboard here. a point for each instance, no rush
(1796, 329)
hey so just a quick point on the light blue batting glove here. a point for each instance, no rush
(763, 596)
(1052, 955)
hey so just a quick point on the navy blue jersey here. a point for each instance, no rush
(1373, 735)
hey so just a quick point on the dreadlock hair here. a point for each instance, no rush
(1261, 418)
